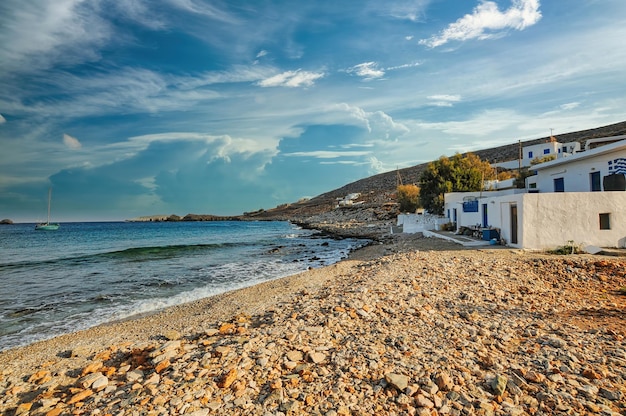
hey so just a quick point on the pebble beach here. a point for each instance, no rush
(411, 326)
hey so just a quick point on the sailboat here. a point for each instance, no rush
(48, 226)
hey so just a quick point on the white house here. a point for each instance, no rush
(572, 199)
(584, 172)
(540, 150)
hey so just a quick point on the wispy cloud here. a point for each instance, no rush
(407, 10)
(36, 34)
(480, 125)
(205, 9)
(569, 106)
(403, 66)
(326, 154)
(488, 21)
(292, 79)
(367, 70)
(444, 100)
(71, 142)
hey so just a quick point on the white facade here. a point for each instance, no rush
(537, 151)
(583, 172)
(559, 207)
(552, 148)
(543, 221)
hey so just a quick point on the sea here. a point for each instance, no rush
(86, 274)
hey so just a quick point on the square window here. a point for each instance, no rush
(546, 151)
(559, 185)
(605, 221)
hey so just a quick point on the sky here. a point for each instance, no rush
(142, 107)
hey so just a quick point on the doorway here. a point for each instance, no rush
(513, 224)
(485, 217)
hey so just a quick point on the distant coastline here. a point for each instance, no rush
(188, 217)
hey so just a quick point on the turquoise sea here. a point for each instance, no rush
(85, 274)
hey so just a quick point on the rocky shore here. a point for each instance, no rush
(408, 325)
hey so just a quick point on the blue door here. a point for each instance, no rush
(485, 221)
(595, 182)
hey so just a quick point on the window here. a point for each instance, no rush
(546, 151)
(605, 221)
(594, 178)
(530, 155)
(559, 185)
(470, 206)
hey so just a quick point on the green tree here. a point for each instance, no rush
(408, 198)
(456, 174)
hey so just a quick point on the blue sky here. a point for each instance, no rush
(141, 107)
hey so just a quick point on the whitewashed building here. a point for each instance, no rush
(578, 200)
(535, 152)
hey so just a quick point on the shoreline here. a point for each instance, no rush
(392, 308)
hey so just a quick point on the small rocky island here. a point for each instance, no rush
(6, 221)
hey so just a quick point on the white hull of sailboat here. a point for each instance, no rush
(47, 227)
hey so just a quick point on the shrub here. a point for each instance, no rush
(569, 248)
(408, 198)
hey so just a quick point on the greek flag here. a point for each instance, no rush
(617, 166)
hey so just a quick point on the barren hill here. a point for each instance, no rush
(376, 190)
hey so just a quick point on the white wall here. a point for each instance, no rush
(417, 223)
(538, 151)
(552, 219)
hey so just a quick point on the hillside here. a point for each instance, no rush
(377, 190)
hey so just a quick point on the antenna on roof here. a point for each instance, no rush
(552, 138)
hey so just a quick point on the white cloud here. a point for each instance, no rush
(569, 106)
(292, 79)
(379, 124)
(261, 54)
(486, 21)
(367, 70)
(36, 34)
(444, 100)
(205, 9)
(376, 166)
(403, 66)
(483, 124)
(326, 154)
(407, 10)
(71, 142)
(140, 11)
(2, 119)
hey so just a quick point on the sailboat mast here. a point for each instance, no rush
(49, 198)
